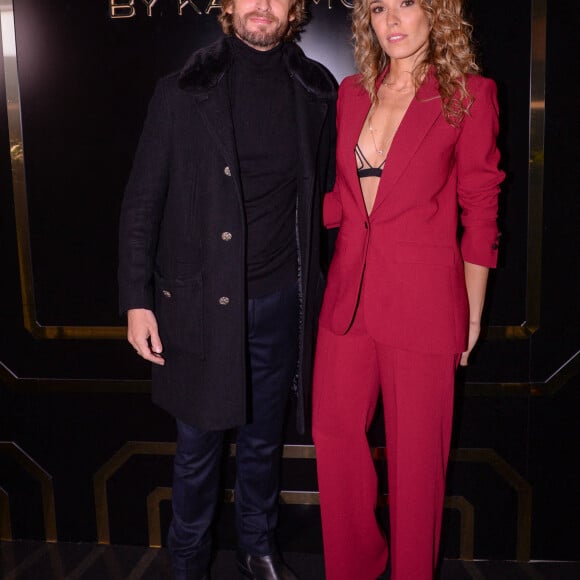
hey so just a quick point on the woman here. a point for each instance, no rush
(416, 151)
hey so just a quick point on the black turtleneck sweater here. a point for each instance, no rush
(263, 112)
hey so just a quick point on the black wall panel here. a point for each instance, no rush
(72, 393)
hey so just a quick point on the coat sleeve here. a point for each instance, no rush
(478, 175)
(332, 204)
(143, 206)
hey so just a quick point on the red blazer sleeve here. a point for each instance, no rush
(332, 209)
(478, 175)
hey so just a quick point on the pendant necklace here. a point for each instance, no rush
(372, 131)
(379, 151)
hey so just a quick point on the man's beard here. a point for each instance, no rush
(259, 38)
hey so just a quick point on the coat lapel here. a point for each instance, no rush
(215, 111)
(312, 92)
(310, 116)
(422, 113)
(204, 76)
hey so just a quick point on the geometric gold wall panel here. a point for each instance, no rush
(522, 488)
(113, 465)
(46, 486)
(465, 509)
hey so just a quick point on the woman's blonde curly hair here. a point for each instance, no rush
(450, 53)
(297, 10)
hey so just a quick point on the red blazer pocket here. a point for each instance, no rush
(416, 253)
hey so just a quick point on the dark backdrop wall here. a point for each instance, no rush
(86, 457)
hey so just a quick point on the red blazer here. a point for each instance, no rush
(413, 293)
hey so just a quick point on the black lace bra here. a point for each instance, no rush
(364, 168)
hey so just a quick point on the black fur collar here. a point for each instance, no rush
(207, 66)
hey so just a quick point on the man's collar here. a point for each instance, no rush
(207, 66)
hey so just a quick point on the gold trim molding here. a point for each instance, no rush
(556, 381)
(17, 159)
(536, 166)
(154, 500)
(535, 182)
(549, 387)
(522, 488)
(48, 385)
(33, 469)
(466, 524)
(113, 465)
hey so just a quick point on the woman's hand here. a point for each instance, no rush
(475, 282)
(474, 330)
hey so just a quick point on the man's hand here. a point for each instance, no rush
(143, 335)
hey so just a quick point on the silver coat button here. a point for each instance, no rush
(227, 171)
(226, 236)
(224, 301)
(166, 293)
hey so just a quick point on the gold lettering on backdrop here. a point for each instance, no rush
(149, 4)
(213, 5)
(183, 3)
(317, 2)
(125, 9)
(129, 8)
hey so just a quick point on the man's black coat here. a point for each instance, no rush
(183, 233)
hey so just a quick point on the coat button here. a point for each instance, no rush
(226, 236)
(224, 301)
(166, 293)
(227, 171)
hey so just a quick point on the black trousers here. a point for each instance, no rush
(272, 348)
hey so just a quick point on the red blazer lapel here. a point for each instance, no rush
(422, 113)
(357, 110)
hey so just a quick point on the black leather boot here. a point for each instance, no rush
(269, 567)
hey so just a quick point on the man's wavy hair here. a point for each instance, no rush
(297, 10)
(450, 52)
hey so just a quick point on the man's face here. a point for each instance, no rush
(261, 24)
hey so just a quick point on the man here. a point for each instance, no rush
(219, 265)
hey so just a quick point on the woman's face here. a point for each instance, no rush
(402, 29)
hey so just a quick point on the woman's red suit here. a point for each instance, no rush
(395, 318)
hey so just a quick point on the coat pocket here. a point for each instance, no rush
(178, 307)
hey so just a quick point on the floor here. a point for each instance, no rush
(23, 560)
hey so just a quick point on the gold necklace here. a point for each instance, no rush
(372, 132)
(390, 86)
(403, 90)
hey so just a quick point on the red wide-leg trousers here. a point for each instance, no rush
(417, 390)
